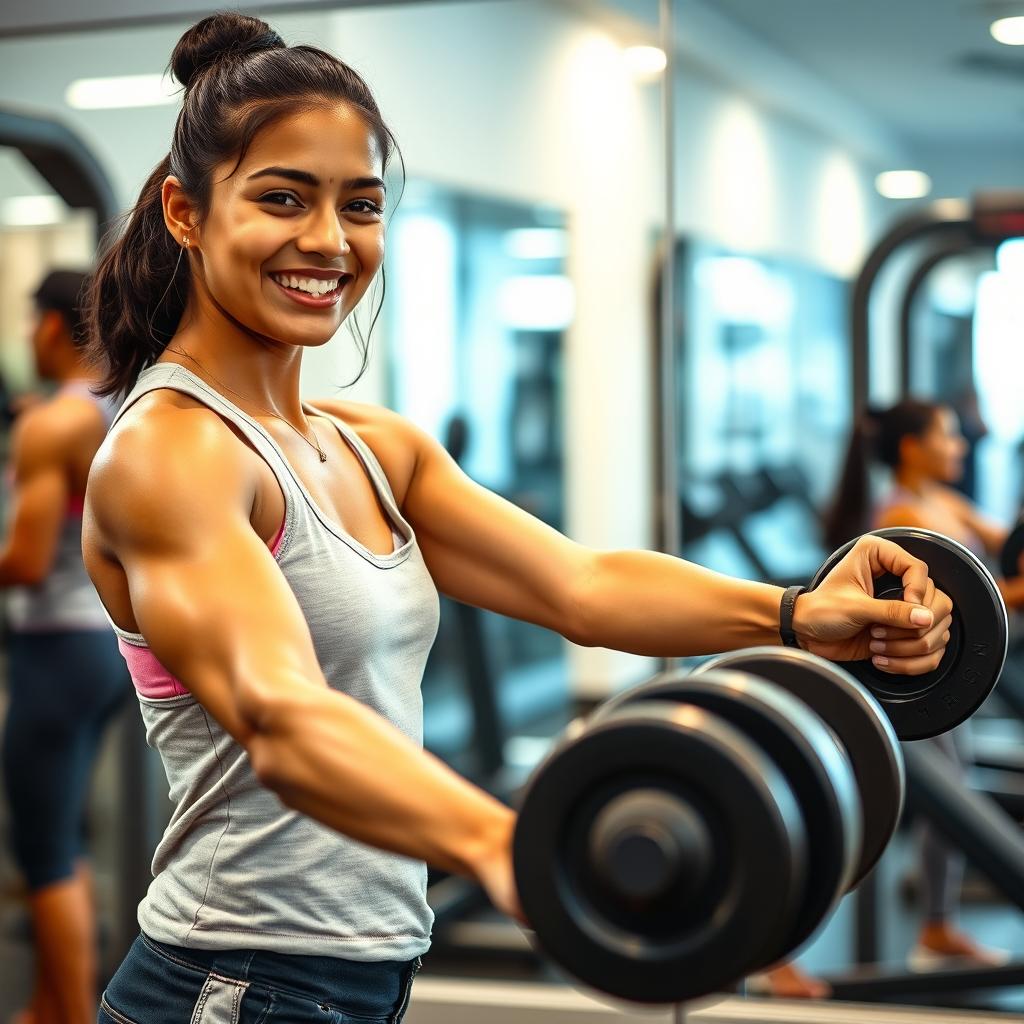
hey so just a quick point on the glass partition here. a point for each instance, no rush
(763, 407)
(478, 306)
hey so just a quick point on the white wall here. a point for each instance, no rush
(960, 171)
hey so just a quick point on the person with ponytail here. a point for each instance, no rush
(271, 566)
(920, 446)
(65, 678)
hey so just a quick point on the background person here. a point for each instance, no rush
(65, 676)
(921, 446)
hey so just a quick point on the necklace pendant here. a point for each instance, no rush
(323, 456)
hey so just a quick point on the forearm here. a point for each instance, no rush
(14, 571)
(338, 761)
(653, 604)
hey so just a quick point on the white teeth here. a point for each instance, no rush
(312, 285)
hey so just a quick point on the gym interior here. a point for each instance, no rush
(652, 262)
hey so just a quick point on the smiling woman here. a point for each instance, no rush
(272, 567)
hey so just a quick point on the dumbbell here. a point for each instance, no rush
(701, 827)
(935, 702)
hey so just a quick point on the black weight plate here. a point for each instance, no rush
(857, 720)
(1013, 548)
(935, 702)
(813, 762)
(681, 949)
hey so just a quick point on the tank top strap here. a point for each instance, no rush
(376, 471)
(174, 377)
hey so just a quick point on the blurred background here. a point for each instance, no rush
(651, 259)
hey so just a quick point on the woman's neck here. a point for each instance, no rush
(913, 481)
(264, 374)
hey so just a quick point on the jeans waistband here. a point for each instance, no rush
(313, 977)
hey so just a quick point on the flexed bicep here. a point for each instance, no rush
(205, 592)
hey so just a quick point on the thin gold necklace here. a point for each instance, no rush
(314, 444)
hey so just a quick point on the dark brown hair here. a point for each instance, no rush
(877, 435)
(239, 77)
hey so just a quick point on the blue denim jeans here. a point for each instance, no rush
(161, 984)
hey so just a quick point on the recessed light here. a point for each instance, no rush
(1009, 31)
(903, 184)
(645, 61)
(121, 91)
(31, 211)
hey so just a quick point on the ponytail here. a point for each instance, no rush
(137, 293)
(878, 434)
(850, 513)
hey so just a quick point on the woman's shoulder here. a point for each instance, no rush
(166, 421)
(902, 512)
(166, 445)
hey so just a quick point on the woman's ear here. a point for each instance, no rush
(179, 214)
(910, 448)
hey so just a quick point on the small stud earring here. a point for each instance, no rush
(187, 241)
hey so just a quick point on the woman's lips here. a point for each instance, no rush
(313, 301)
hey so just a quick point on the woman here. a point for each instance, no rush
(921, 445)
(272, 566)
(65, 676)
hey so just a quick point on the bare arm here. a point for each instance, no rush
(169, 499)
(40, 498)
(485, 551)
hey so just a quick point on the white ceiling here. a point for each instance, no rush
(928, 68)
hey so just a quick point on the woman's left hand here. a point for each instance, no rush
(843, 621)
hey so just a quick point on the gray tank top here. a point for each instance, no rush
(235, 867)
(66, 598)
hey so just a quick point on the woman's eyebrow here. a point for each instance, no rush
(306, 178)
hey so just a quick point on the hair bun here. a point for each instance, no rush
(218, 37)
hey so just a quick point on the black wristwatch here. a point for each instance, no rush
(786, 615)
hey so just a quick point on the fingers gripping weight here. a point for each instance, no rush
(935, 702)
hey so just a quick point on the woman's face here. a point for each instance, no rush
(302, 213)
(939, 452)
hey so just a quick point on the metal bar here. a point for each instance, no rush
(866, 920)
(971, 821)
(64, 161)
(955, 246)
(936, 218)
(669, 539)
(881, 984)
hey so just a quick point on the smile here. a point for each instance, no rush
(310, 291)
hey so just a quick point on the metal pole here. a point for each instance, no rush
(669, 539)
(668, 525)
(944, 215)
(948, 250)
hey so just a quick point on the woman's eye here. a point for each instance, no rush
(273, 197)
(366, 206)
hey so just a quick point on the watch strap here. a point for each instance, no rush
(789, 597)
